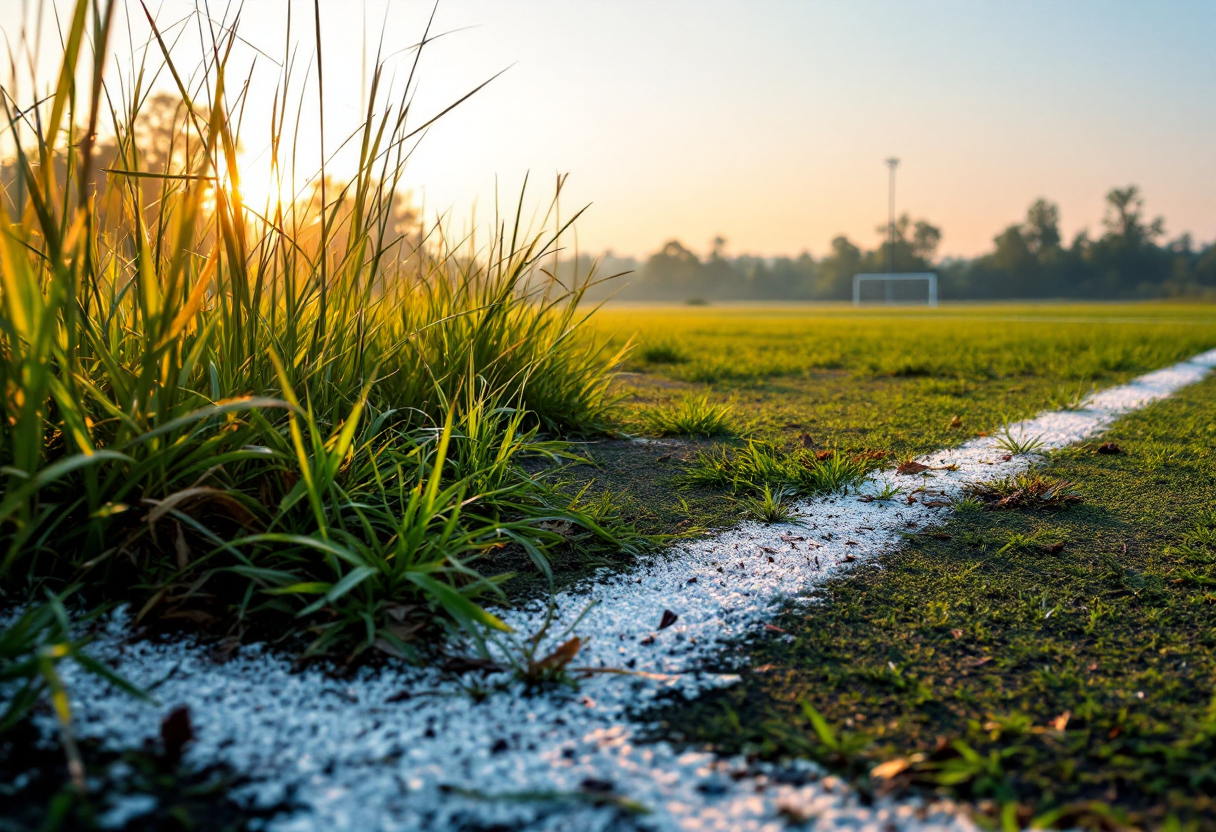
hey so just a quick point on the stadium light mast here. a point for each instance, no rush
(892, 163)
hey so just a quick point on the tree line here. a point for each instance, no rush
(1130, 259)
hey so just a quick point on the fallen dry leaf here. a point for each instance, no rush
(1109, 448)
(562, 656)
(956, 633)
(668, 619)
(955, 423)
(773, 628)
(887, 770)
(806, 441)
(822, 455)
(911, 467)
(1061, 722)
(1054, 548)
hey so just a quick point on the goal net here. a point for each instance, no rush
(898, 288)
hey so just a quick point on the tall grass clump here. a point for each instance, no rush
(304, 416)
(693, 416)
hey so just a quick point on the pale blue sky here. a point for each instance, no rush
(768, 122)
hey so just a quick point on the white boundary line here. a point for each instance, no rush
(378, 751)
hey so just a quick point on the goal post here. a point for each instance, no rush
(898, 288)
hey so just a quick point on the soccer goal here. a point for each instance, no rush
(898, 288)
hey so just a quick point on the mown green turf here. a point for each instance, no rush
(894, 380)
(1070, 685)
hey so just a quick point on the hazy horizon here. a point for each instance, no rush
(768, 124)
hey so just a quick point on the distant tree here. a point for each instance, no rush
(1013, 252)
(1125, 218)
(1042, 226)
(672, 272)
(925, 240)
(835, 274)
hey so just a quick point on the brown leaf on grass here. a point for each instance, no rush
(400, 612)
(822, 455)
(870, 456)
(982, 660)
(911, 467)
(668, 619)
(1061, 722)
(176, 732)
(956, 633)
(562, 528)
(806, 441)
(773, 628)
(389, 649)
(1109, 448)
(182, 548)
(887, 770)
(955, 423)
(765, 668)
(982, 433)
(1053, 548)
(222, 500)
(562, 656)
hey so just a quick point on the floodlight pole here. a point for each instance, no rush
(892, 163)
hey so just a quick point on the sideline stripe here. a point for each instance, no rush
(393, 749)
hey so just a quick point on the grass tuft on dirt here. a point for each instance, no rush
(1024, 491)
(694, 416)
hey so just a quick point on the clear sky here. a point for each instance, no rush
(767, 122)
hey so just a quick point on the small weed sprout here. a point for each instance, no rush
(693, 416)
(1071, 398)
(773, 505)
(889, 491)
(968, 504)
(1020, 444)
(1038, 540)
